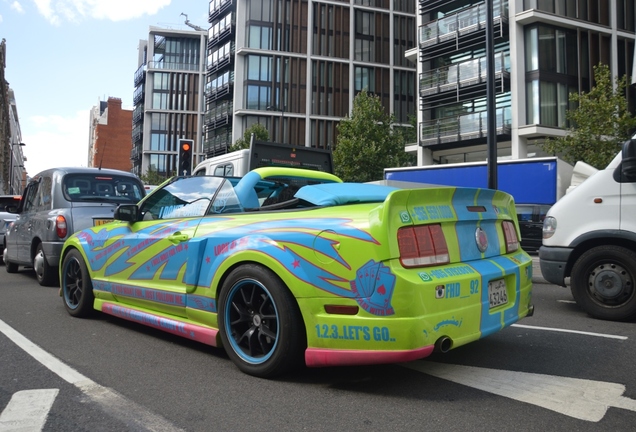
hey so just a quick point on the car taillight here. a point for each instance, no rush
(510, 235)
(422, 245)
(60, 226)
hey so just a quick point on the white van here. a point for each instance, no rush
(589, 235)
(233, 164)
(264, 153)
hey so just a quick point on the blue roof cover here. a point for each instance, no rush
(330, 194)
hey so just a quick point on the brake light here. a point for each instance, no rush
(60, 226)
(510, 235)
(422, 245)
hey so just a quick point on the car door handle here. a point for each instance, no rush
(178, 238)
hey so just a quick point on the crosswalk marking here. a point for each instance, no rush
(574, 397)
(27, 410)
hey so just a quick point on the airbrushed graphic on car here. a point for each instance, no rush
(286, 266)
(275, 239)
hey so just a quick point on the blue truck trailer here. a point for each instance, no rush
(535, 183)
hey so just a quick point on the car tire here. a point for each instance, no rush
(602, 283)
(77, 286)
(260, 323)
(45, 274)
(10, 267)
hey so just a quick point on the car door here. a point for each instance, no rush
(154, 269)
(22, 229)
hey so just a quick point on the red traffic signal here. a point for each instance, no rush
(184, 158)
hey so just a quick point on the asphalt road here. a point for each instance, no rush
(557, 370)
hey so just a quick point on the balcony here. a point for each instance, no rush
(137, 134)
(464, 128)
(462, 27)
(163, 65)
(455, 77)
(217, 7)
(217, 145)
(138, 96)
(216, 63)
(219, 116)
(140, 75)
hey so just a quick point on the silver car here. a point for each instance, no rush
(5, 217)
(55, 204)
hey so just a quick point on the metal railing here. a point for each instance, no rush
(460, 23)
(462, 74)
(463, 127)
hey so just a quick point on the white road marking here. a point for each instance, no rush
(566, 301)
(135, 416)
(570, 331)
(579, 398)
(27, 410)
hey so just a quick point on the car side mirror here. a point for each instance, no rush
(127, 213)
(628, 165)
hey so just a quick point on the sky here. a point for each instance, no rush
(65, 56)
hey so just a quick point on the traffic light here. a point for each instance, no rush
(185, 156)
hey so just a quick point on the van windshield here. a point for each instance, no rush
(102, 187)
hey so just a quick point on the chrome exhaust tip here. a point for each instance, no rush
(443, 344)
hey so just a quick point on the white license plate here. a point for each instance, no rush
(497, 293)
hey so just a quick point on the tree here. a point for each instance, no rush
(260, 133)
(152, 177)
(367, 142)
(600, 123)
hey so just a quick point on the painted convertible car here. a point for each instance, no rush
(286, 266)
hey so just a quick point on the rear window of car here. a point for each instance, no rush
(13, 200)
(100, 187)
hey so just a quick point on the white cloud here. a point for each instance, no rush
(16, 6)
(56, 11)
(56, 141)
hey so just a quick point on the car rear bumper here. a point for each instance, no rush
(553, 262)
(52, 252)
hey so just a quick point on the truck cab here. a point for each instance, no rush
(589, 236)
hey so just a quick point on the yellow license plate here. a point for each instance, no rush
(97, 222)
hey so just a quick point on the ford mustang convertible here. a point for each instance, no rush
(288, 266)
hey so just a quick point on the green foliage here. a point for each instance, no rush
(152, 177)
(367, 142)
(600, 123)
(260, 134)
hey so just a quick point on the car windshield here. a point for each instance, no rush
(102, 187)
(190, 197)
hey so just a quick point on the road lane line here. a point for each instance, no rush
(571, 331)
(27, 410)
(130, 413)
(574, 397)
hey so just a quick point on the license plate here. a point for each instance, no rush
(497, 293)
(98, 222)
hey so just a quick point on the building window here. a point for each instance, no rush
(364, 36)
(259, 37)
(364, 79)
(547, 103)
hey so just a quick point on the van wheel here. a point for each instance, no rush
(45, 274)
(602, 283)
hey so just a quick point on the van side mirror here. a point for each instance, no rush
(127, 213)
(628, 165)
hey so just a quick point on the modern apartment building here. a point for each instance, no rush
(295, 66)
(543, 51)
(168, 98)
(109, 135)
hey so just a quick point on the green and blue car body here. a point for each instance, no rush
(345, 273)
